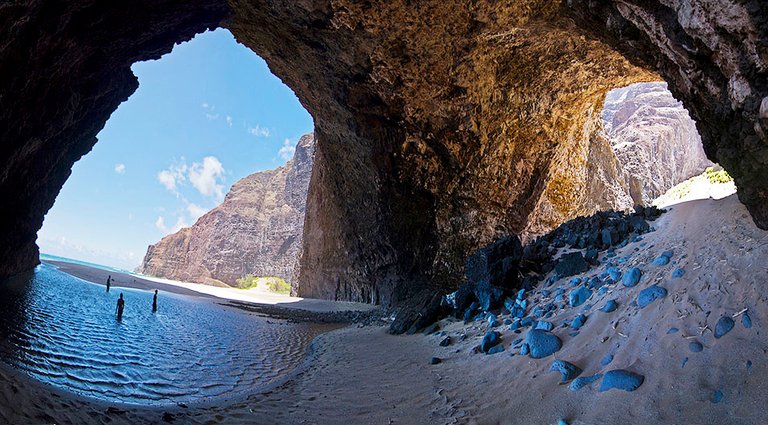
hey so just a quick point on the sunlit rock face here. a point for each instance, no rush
(256, 230)
(441, 125)
(654, 139)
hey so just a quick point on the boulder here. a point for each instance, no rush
(542, 344)
(650, 294)
(571, 264)
(621, 379)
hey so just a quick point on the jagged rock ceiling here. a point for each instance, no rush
(440, 125)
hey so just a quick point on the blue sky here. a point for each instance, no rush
(205, 115)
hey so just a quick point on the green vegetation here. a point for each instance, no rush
(721, 176)
(269, 283)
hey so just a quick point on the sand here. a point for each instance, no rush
(362, 375)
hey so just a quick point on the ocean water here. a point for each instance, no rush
(63, 331)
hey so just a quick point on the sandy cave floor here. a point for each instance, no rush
(364, 375)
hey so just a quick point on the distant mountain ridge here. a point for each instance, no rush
(256, 230)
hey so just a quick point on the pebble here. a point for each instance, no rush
(524, 350)
(678, 273)
(445, 342)
(561, 421)
(583, 381)
(579, 296)
(622, 380)
(717, 396)
(610, 306)
(578, 321)
(723, 326)
(614, 273)
(542, 344)
(661, 261)
(685, 360)
(695, 346)
(606, 360)
(672, 331)
(496, 349)
(650, 294)
(749, 364)
(435, 360)
(746, 320)
(491, 339)
(631, 277)
(544, 325)
(567, 370)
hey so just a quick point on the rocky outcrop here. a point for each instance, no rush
(440, 126)
(654, 138)
(256, 230)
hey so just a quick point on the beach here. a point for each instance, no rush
(362, 374)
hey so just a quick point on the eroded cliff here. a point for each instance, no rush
(256, 230)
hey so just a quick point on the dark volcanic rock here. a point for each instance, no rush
(256, 230)
(431, 136)
(571, 264)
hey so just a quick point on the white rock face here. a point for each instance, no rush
(654, 139)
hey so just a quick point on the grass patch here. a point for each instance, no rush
(269, 283)
(721, 176)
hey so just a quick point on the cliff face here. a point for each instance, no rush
(256, 230)
(654, 138)
(441, 125)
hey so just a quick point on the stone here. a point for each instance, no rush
(717, 396)
(695, 347)
(496, 263)
(418, 313)
(723, 326)
(446, 341)
(496, 349)
(614, 273)
(672, 330)
(544, 325)
(677, 273)
(605, 361)
(435, 360)
(490, 340)
(571, 264)
(524, 350)
(542, 344)
(650, 294)
(567, 370)
(631, 277)
(746, 320)
(661, 261)
(621, 379)
(583, 381)
(609, 306)
(578, 321)
(579, 296)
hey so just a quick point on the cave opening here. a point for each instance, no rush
(658, 147)
(205, 118)
(205, 168)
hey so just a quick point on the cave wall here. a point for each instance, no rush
(440, 126)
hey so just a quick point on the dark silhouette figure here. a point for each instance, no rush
(109, 278)
(154, 302)
(120, 306)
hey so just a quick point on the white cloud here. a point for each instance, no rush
(229, 121)
(120, 168)
(195, 211)
(173, 176)
(259, 131)
(207, 177)
(160, 224)
(287, 150)
(179, 224)
(210, 112)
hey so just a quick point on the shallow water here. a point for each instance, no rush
(63, 331)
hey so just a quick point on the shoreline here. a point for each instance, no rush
(263, 302)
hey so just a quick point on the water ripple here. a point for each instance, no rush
(63, 331)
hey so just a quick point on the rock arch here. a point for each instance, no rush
(440, 125)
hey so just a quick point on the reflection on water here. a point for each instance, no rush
(63, 331)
